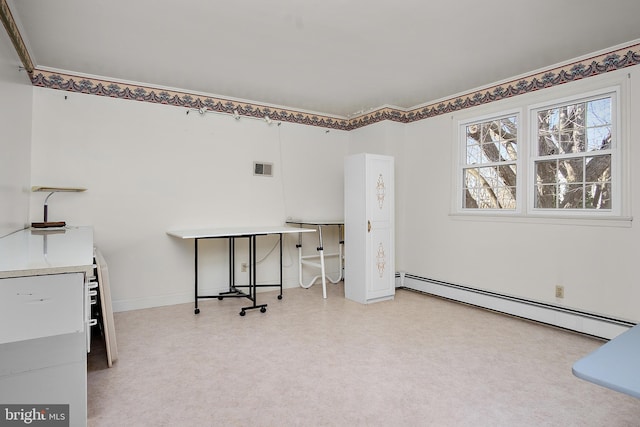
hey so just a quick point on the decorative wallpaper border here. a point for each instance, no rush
(93, 86)
(596, 65)
(615, 60)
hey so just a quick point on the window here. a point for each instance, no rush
(489, 171)
(560, 160)
(573, 156)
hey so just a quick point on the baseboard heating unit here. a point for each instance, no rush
(575, 320)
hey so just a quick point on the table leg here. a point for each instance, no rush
(340, 255)
(280, 296)
(299, 247)
(195, 257)
(232, 263)
(322, 272)
(252, 279)
(232, 292)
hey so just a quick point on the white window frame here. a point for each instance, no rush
(461, 163)
(615, 151)
(615, 83)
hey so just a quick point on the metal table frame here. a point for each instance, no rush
(308, 259)
(232, 234)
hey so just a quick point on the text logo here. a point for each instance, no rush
(34, 415)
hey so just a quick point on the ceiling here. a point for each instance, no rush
(338, 57)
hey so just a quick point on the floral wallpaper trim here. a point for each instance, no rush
(604, 63)
(615, 60)
(93, 86)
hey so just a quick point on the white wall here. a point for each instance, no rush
(15, 139)
(596, 264)
(384, 137)
(150, 168)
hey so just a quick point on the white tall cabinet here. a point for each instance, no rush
(369, 228)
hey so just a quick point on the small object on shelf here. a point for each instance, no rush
(48, 224)
(52, 224)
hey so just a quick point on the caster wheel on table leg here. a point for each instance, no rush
(279, 296)
(242, 313)
(263, 309)
(196, 311)
(220, 298)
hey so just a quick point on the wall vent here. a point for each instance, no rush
(262, 169)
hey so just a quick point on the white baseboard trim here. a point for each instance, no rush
(583, 322)
(150, 302)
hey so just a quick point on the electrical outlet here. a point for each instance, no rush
(559, 291)
(243, 267)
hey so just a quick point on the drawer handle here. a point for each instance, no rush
(368, 226)
(93, 322)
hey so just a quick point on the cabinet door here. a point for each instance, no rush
(379, 208)
(39, 306)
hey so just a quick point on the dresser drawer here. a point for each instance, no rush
(40, 306)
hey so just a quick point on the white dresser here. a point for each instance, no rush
(369, 272)
(44, 316)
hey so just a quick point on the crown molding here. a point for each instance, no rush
(14, 34)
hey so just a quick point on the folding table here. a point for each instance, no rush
(231, 234)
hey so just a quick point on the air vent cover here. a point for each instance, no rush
(262, 169)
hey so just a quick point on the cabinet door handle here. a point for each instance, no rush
(368, 226)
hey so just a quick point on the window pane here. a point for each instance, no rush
(599, 124)
(598, 196)
(509, 129)
(480, 198)
(570, 196)
(473, 134)
(491, 151)
(508, 151)
(489, 176)
(470, 178)
(506, 197)
(571, 142)
(598, 168)
(507, 175)
(599, 138)
(599, 112)
(549, 119)
(488, 188)
(474, 155)
(546, 196)
(547, 144)
(547, 172)
(572, 117)
(487, 134)
(571, 170)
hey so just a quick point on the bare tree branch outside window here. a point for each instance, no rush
(573, 167)
(490, 173)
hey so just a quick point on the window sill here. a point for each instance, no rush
(608, 221)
